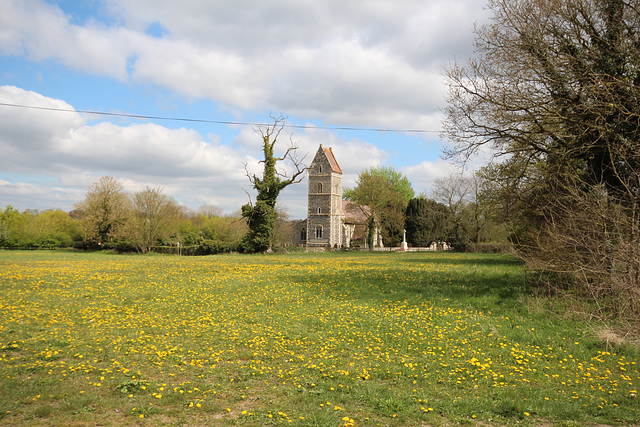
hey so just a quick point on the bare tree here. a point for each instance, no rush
(454, 192)
(210, 211)
(154, 215)
(554, 81)
(592, 245)
(262, 215)
(284, 228)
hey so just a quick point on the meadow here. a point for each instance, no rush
(331, 339)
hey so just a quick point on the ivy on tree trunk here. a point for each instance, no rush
(261, 216)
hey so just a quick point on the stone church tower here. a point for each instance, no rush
(331, 222)
(325, 217)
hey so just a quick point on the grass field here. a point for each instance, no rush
(361, 339)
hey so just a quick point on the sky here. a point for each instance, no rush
(209, 72)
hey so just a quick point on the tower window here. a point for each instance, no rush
(319, 187)
(319, 232)
(319, 168)
(319, 211)
(303, 235)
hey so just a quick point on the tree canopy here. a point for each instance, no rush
(554, 94)
(386, 192)
(154, 218)
(426, 221)
(554, 81)
(390, 175)
(104, 210)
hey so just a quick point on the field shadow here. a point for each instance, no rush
(475, 259)
(502, 288)
(473, 281)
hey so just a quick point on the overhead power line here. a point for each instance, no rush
(219, 122)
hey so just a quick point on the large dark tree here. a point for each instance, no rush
(261, 216)
(555, 90)
(426, 221)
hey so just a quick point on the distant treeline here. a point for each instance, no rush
(189, 233)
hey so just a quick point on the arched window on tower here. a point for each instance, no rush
(319, 211)
(303, 235)
(319, 232)
(319, 168)
(319, 187)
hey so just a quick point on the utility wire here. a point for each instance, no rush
(219, 122)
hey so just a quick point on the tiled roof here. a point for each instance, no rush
(353, 213)
(335, 167)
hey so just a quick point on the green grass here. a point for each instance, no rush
(308, 339)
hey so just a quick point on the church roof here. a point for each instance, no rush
(335, 167)
(355, 214)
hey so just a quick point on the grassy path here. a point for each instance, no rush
(307, 339)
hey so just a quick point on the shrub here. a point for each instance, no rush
(212, 247)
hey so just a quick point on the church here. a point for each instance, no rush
(332, 223)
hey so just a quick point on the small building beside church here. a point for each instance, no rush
(332, 222)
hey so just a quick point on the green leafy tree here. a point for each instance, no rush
(188, 233)
(55, 228)
(104, 211)
(385, 193)
(50, 228)
(401, 183)
(390, 174)
(15, 227)
(261, 216)
(4, 231)
(225, 228)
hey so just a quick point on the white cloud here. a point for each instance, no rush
(146, 150)
(424, 174)
(41, 32)
(365, 64)
(46, 195)
(199, 73)
(71, 154)
(347, 83)
(26, 133)
(373, 63)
